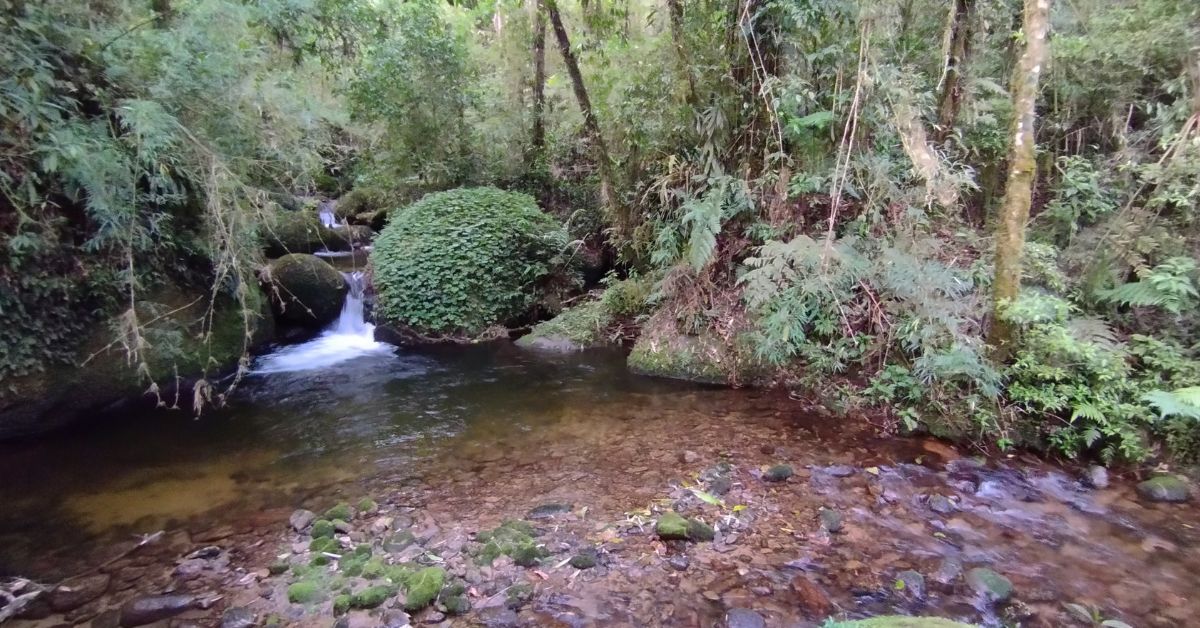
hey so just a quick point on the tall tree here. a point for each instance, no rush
(591, 126)
(676, 9)
(539, 84)
(958, 45)
(1022, 170)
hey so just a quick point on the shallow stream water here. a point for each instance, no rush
(463, 438)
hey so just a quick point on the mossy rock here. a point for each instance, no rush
(365, 206)
(897, 621)
(1165, 488)
(305, 290)
(367, 505)
(322, 529)
(778, 473)
(305, 593)
(671, 526)
(295, 232)
(185, 341)
(584, 560)
(514, 539)
(341, 511)
(372, 597)
(661, 351)
(422, 587)
(460, 262)
(991, 585)
(341, 604)
(579, 327)
(347, 238)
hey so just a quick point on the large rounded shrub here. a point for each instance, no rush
(458, 262)
(305, 290)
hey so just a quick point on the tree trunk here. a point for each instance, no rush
(958, 45)
(591, 127)
(1022, 167)
(539, 86)
(676, 9)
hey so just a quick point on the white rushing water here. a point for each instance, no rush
(348, 338)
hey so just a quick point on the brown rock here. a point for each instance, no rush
(813, 599)
(152, 608)
(72, 594)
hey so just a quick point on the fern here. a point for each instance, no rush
(1168, 286)
(1184, 402)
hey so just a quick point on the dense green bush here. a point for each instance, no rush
(458, 262)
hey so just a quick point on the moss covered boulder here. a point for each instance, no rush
(179, 336)
(662, 350)
(458, 263)
(295, 232)
(304, 290)
(576, 328)
(1165, 488)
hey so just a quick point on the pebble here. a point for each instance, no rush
(679, 562)
(149, 609)
(744, 618)
(238, 618)
(913, 584)
(840, 470)
(1097, 477)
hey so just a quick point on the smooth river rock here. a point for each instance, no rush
(744, 618)
(146, 610)
(1165, 488)
(72, 594)
(301, 519)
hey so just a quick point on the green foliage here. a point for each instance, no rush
(627, 297)
(1171, 286)
(415, 84)
(458, 262)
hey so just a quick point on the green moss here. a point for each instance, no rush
(304, 593)
(372, 596)
(320, 560)
(511, 538)
(277, 568)
(422, 587)
(518, 595)
(662, 351)
(321, 528)
(341, 511)
(778, 473)
(578, 327)
(341, 604)
(353, 565)
(671, 526)
(367, 504)
(584, 560)
(700, 531)
(295, 232)
(304, 290)
(373, 569)
(461, 261)
(398, 574)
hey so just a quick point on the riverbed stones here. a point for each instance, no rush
(941, 504)
(1165, 488)
(910, 584)
(72, 594)
(840, 470)
(744, 618)
(301, 519)
(146, 610)
(990, 585)
(1096, 477)
(238, 618)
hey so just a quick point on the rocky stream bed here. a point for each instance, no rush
(647, 505)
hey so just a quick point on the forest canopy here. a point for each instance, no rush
(978, 218)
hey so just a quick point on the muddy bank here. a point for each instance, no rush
(861, 526)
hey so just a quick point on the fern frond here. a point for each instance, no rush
(1183, 402)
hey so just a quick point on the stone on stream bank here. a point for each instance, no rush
(304, 290)
(1165, 488)
(672, 526)
(989, 584)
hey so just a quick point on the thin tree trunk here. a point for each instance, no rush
(591, 127)
(676, 9)
(958, 45)
(1022, 164)
(539, 85)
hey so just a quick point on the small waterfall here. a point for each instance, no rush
(325, 210)
(347, 338)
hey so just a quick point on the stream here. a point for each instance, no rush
(453, 441)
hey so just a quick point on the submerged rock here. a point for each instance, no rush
(1165, 488)
(900, 622)
(671, 526)
(831, 520)
(1096, 477)
(72, 594)
(778, 473)
(546, 511)
(238, 618)
(744, 618)
(991, 585)
(911, 583)
(941, 504)
(147, 610)
(577, 328)
(583, 560)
